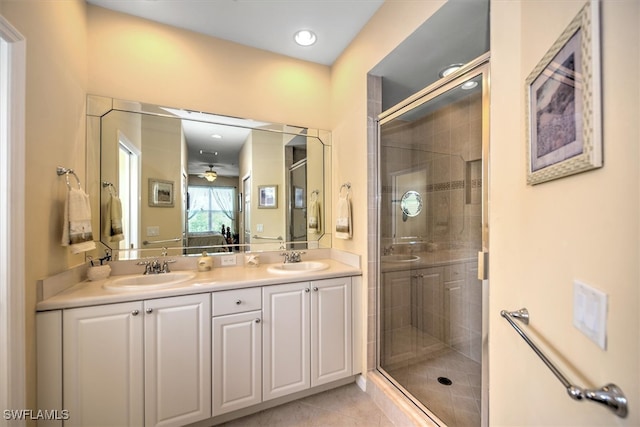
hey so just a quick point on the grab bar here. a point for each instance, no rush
(609, 395)
(151, 242)
(255, 236)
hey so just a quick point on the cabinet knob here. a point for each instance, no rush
(238, 302)
(307, 290)
(315, 289)
(135, 312)
(257, 320)
(149, 310)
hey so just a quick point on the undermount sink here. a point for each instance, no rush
(399, 258)
(148, 281)
(298, 267)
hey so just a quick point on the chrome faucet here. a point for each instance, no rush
(156, 267)
(292, 256)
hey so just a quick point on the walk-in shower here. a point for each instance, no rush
(431, 211)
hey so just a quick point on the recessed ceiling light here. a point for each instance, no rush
(469, 85)
(216, 136)
(305, 37)
(450, 69)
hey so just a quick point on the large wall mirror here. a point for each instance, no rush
(193, 181)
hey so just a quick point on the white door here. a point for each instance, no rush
(237, 361)
(330, 330)
(286, 339)
(177, 346)
(103, 365)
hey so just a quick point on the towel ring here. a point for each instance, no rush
(110, 187)
(64, 171)
(346, 185)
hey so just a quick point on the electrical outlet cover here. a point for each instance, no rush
(590, 312)
(227, 260)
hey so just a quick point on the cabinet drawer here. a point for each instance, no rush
(454, 272)
(236, 301)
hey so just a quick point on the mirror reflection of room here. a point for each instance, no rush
(203, 162)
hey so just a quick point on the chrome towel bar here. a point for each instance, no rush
(255, 236)
(151, 242)
(609, 395)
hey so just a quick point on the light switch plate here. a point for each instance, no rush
(590, 312)
(153, 231)
(227, 260)
(260, 228)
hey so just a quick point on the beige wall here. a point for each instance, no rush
(582, 227)
(267, 168)
(55, 136)
(162, 160)
(131, 58)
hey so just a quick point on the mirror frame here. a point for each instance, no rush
(98, 106)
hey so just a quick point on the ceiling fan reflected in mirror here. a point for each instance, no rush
(210, 175)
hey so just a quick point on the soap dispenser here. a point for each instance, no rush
(205, 262)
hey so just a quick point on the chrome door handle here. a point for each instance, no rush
(149, 310)
(135, 312)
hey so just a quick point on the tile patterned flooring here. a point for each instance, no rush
(458, 404)
(346, 406)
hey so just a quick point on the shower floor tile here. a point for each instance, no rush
(458, 404)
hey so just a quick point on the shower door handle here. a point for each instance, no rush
(483, 265)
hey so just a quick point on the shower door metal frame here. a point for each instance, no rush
(477, 67)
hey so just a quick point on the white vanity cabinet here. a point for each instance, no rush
(138, 363)
(307, 329)
(103, 365)
(237, 349)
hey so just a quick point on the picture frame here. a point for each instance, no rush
(161, 194)
(563, 103)
(267, 197)
(298, 197)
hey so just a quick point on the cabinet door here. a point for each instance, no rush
(330, 330)
(237, 361)
(103, 365)
(286, 339)
(396, 312)
(177, 345)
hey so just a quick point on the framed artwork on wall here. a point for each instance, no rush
(268, 196)
(563, 103)
(298, 197)
(160, 193)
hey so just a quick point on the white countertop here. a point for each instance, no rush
(87, 293)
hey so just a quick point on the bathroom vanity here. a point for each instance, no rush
(433, 295)
(212, 347)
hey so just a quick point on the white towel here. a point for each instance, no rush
(313, 217)
(76, 230)
(112, 221)
(344, 229)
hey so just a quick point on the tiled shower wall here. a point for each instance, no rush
(442, 152)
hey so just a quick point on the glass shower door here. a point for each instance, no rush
(430, 232)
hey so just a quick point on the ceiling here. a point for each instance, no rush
(264, 24)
